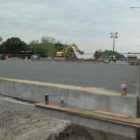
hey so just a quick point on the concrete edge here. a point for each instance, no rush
(92, 90)
(34, 92)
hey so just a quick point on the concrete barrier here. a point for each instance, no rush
(78, 97)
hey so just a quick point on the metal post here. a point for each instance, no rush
(138, 97)
(62, 102)
(46, 98)
(113, 44)
(139, 76)
(114, 36)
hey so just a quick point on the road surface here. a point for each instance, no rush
(108, 76)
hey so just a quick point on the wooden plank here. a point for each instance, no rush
(97, 115)
(112, 114)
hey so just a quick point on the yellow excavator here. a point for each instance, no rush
(60, 52)
(69, 52)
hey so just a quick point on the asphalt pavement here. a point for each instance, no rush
(108, 76)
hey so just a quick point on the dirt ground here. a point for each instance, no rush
(19, 125)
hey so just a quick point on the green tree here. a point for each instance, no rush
(97, 54)
(1, 39)
(48, 39)
(13, 45)
(33, 46)
(107, 53)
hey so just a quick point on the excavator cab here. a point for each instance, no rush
(60, 52)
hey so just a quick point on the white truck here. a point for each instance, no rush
(132, 59)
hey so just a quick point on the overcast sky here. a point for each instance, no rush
(88, 23)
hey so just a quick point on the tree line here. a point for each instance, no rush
(46, 47)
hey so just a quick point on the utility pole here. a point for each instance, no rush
(139, 76)
(137, 7)
(138, 95)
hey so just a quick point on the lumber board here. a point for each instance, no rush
(112, 114)
(100, 115)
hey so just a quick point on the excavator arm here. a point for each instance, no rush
(77, 49)
(69, 52)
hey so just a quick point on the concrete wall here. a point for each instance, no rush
(73, 98)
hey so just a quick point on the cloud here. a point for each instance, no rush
(86, 22)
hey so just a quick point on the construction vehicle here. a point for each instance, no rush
(69, 52)
(112, 58)
(60, 52)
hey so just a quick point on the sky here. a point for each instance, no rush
(88, 23)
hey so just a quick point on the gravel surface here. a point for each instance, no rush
(18, 122)
(19, 125)
(107, 76)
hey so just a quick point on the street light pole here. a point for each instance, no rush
(114, 36)
(113, 44)
(139, 76)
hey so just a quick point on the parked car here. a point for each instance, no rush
(35, 56)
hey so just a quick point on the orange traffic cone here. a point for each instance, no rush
(6, 57)
(26, 58)
(123, 89)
